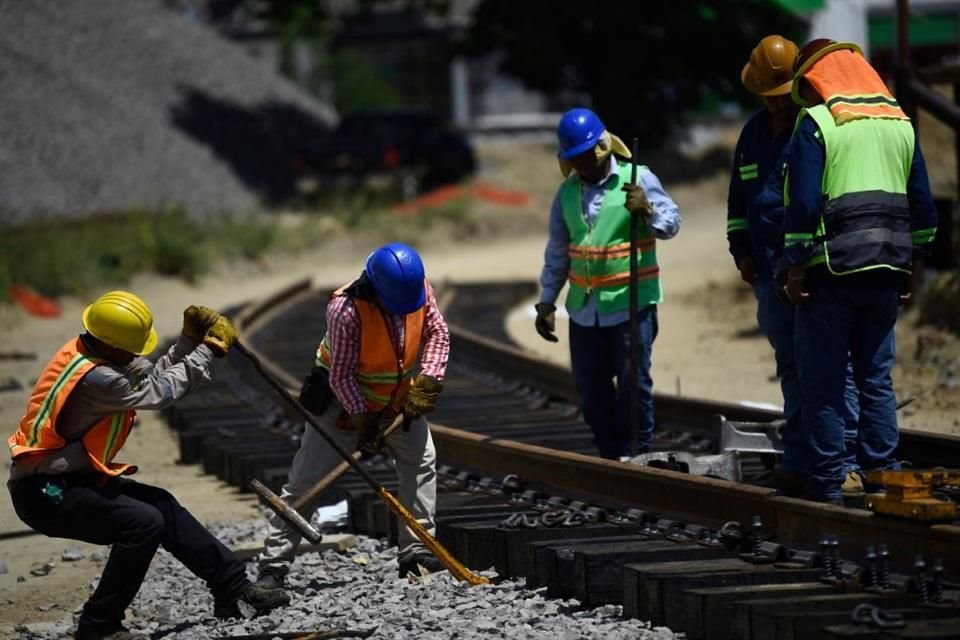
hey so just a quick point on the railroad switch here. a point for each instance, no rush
(909, 494)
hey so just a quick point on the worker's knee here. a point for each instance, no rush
(144, 525)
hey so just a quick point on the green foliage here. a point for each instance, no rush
(75, 257)
(639, 64)
(358, 84)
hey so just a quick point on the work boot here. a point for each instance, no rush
(790, 483)
(272, 576)
(852, 486)
(253, 601)
(117, 633)
(420, 564)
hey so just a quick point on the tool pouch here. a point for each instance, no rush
(315, 391)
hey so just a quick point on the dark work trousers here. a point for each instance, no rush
(598, 355)
(136, 519)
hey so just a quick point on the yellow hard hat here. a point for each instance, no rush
(122, 320)
(770, 69)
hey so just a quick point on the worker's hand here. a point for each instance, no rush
(197, 320)
(422, 397)
(221, 336)
(795, 287)
(546, 322)
(747, 271)
(637, 201)
(369, 440)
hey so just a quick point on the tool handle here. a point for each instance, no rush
(634, 394)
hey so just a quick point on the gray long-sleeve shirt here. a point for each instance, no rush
(107, 389)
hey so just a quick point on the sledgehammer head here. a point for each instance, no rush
(285, 511)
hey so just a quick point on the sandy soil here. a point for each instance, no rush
(708, 347)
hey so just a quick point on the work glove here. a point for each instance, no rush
(637, 201)
(747, 271)
(422, 397)
(197, 320)
(369, 440)
(546, 322)
(221, 336)
(796, 292)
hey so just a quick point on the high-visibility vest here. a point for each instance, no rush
(865, 223)
(37, 433)
(600, 255)
(383, 373)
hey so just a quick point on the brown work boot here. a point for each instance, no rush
(789, 483)
(272, 576)
(852, 486)
(253, 601)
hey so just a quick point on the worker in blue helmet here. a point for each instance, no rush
(589, 250)
(387, 315)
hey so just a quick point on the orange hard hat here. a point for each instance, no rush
(770, 69)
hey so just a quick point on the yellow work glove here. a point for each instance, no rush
(637, 201)
(369, 440)
(546, 322)
(197, 320)
(221, 336)
(422, 397)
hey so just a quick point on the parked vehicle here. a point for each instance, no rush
(404, 151)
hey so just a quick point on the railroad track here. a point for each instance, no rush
(524, 491)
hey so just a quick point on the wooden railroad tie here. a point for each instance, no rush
(909, 494)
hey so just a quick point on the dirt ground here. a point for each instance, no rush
(708, 347)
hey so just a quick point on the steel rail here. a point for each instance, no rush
(791, 521)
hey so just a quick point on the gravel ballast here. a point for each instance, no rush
(113, 105)
(359, 589)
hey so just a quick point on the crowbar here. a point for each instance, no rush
(291, 512)
(634, 381)
(456, 569)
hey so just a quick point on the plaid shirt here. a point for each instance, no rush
(343, 330)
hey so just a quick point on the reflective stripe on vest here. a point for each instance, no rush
(37, 432)
(600, 255)
(383, 374)
(866, 219)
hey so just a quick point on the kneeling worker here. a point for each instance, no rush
(64, 483)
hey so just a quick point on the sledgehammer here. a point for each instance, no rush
(456, 569)
(291, 512)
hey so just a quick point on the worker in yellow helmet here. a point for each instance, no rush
(65, 483)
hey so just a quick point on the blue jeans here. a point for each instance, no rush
(775, 316)
(598, 355)
(834, 326)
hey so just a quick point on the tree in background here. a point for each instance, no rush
(644, 64)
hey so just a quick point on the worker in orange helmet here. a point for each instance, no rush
(65, 483)
(754, 235)
(859, 212)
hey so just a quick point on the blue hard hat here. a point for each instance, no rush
(578, 131)
(396, 272)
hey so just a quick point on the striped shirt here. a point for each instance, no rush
(343, 331)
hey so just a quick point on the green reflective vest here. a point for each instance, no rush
(865, 223)
(600, 255)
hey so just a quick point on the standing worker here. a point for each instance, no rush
(858, 211)
(754, 235)
(376, 327)
(589, 245)
(64, 483)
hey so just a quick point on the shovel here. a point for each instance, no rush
(456, 569)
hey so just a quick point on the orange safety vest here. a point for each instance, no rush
(37, 433)
(384, 375)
